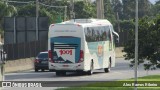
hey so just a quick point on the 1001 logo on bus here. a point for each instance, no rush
(65, 52)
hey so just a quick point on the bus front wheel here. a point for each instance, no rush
(90, 72)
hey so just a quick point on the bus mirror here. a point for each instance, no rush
(117, 40)
(116, 37)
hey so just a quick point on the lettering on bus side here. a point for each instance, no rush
(65, 52)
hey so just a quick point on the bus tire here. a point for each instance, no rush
(90, 72)
(58, 73)
(42, 70)
(106, 70)
(63, 73)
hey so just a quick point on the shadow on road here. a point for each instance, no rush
(45, 74)
(71, 74)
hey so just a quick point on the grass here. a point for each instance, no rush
(150, 78)
(108, 86)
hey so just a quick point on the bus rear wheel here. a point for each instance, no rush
(42, 70)
(106, 70)
(60, 73)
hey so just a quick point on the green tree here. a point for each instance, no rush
(117, 8)
(156, 8)
(145, 7)
(158, 2)
(27, 10)
(6, 11)
(84, 10)
(149, 43)
(129, 8)
(108, 11)
(30, 10)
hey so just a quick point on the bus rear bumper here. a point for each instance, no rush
(67, 67)
(68, 70)
(53, 70)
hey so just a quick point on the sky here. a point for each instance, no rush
(153, 1)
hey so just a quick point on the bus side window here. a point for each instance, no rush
(98, 34)
(88, 34)
(107, 32)
(104, 34)
(93, 35)
(101, 35)
(109, 35)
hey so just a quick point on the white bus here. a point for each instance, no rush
(81, 45)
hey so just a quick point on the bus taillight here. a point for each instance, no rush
(81, 59)
(50, 56)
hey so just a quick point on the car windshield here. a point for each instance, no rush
(43, 55)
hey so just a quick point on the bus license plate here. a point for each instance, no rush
(65, 65)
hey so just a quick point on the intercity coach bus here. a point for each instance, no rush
(81, 45)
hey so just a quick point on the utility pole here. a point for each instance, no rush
(100, 9)
(65, 13)
(118, 22)
(37, 15)
(136, 44)
(72, 14)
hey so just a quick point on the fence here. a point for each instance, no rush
(22, 39)
(23, 29)
(124, 36)
(24, 50)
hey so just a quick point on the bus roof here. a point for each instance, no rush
(84, 22)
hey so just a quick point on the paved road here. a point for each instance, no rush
(121, 71)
